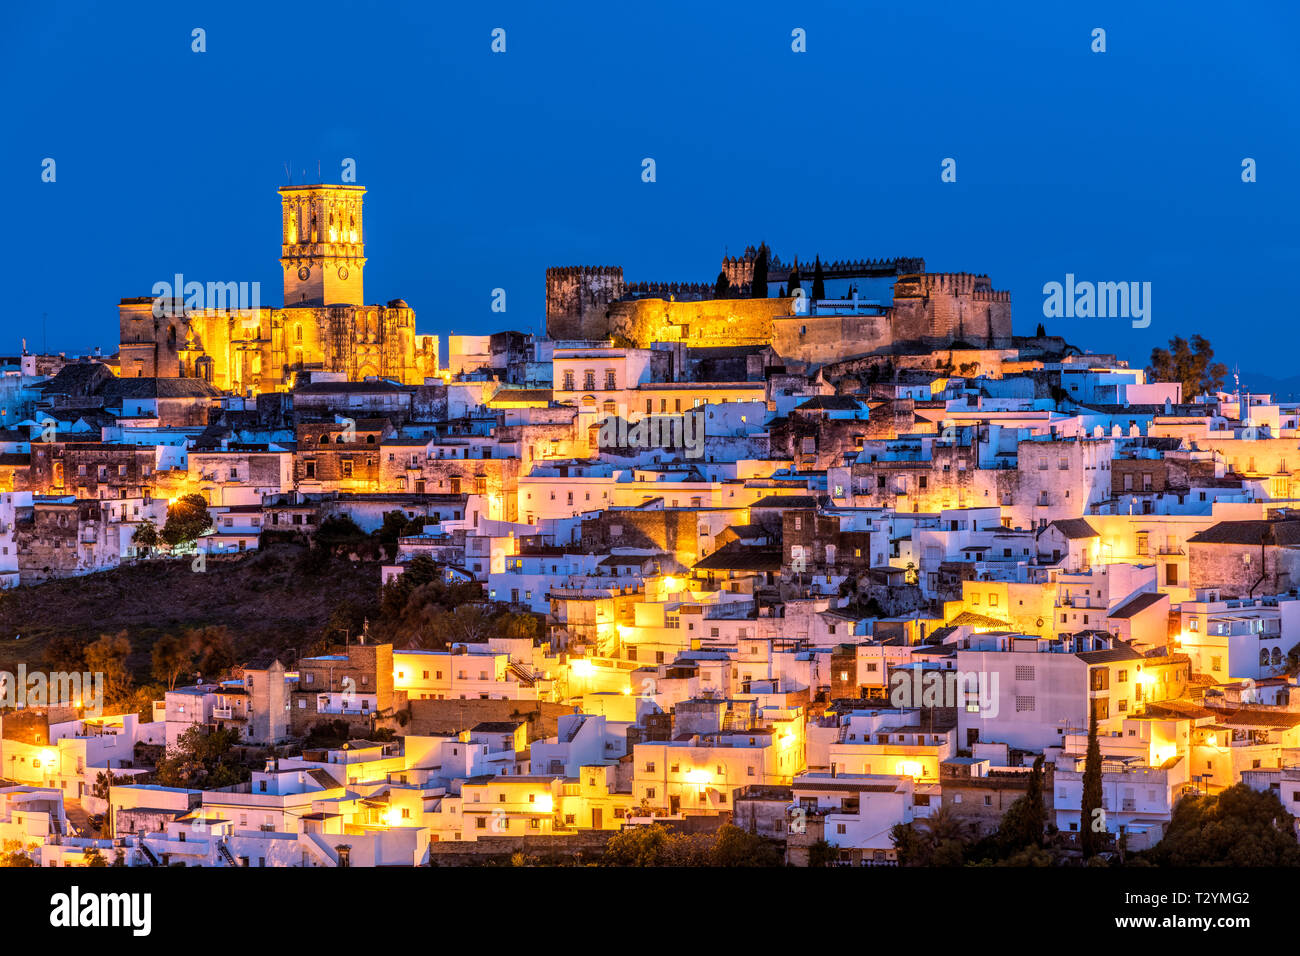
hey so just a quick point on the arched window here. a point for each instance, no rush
(1263, 656)
(370, 439)
(339, 439)
(324, 439)
(1277, 655)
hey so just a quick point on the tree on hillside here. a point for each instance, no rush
(722, 287)
(1022, 825)
(340, 531)
(107, 656)
(758, 285)
(212, 647)
(202, 760)
(732, 846)
(171, 657)
(657, 845)
(1238, 827)
(526, 626)
(938, 840)
(65, 653)
(187, 519)
(395, 526)
(1092, 818)
(1191, 363)
(422, 575)
(13, 853)
(819, 280)
(347, 619)
(145, 537)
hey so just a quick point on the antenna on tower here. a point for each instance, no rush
(289, 173)
(318, 170)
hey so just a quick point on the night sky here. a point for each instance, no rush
(483, 168)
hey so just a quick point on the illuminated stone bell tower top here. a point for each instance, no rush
(322, 245)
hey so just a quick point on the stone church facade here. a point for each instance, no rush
(324, 324)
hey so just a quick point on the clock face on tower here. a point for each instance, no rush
(343, 272)
(303, 273)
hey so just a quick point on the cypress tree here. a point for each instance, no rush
(758, 287)
(1034, 797)
(795, 282)
(722, 288)
(819, 280)
(1090, 841)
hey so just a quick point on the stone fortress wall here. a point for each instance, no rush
(929, 310)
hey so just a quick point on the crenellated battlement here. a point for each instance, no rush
(941, 283)
(739, 270)
(676, 290)
(929, 307)
(578, 272)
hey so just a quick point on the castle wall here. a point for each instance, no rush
(585, 302)
(577, 298)
(942, 307)
(809, 341)
(639, 322)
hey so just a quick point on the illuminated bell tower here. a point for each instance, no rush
(323, 248)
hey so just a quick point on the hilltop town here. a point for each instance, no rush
(814, 563)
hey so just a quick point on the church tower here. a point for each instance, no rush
(322, 245)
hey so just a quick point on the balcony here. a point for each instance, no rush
(221, 713)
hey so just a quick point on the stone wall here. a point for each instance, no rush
(672, 531)
(809, 341)
(451, 716)
(1234, 569)
(639, 322)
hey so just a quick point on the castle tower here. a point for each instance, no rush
(577, 299)
(322, 245)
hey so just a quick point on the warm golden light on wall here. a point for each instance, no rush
(909, 768)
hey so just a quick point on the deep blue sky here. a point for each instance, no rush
(483, 169)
